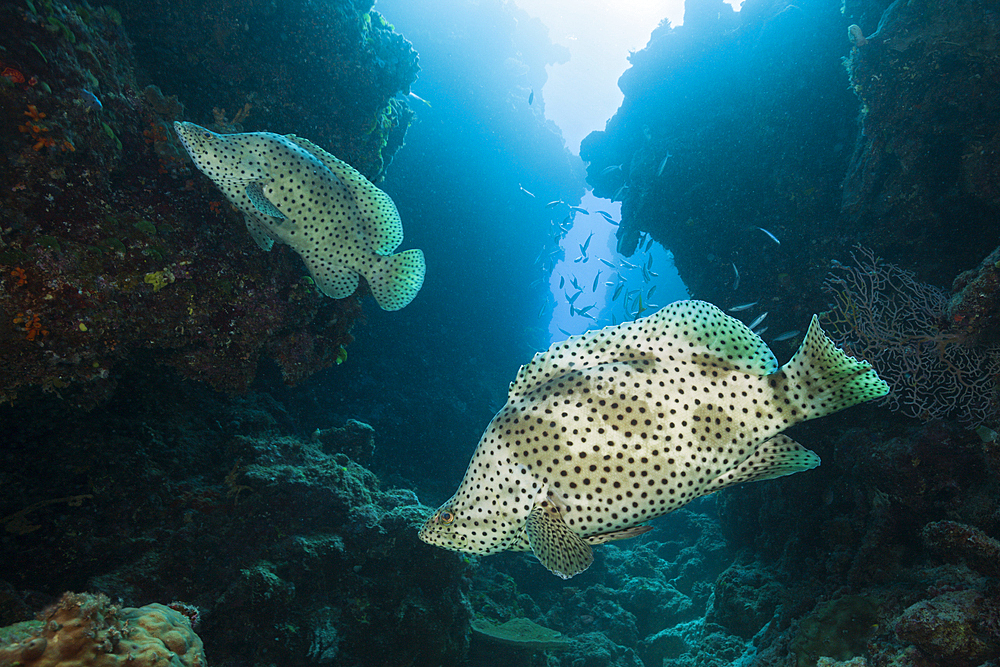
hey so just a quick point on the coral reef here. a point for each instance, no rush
(883, 315)
(111, 243)
(265, 533)
(83, 630)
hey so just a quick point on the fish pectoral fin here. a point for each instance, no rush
(255, 192)
(622, 534)
(774, 458)
(559, 549)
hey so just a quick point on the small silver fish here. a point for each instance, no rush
(617, 196)
(596, 278)
(648, 246)
(562, 281)
(736, 281)
(607, 216)
(770, 235)
(663, 163)
(606, 262)
(757, 321)
(760, 332)
(586, 244)
(553, 204)
(578, 209)
(585, 309)
(785, 336)
(525, 191)
(574, 283)
(618, 291)
(564, 331)
(531, 97)
(611, 169)
(573, 298)
(742, 307)
(649, 294)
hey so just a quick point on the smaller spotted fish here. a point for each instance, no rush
(292, 191)
(610, 429)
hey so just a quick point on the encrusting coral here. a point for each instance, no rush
(84, 630)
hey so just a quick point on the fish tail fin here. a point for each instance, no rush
(395, 279)
(822, 379)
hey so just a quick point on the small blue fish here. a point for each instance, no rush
(606, 262)
(618, 291)
(90, 100)
(785, 336)
(596, 278)
(531, 97)
(770, 235)
(757, 321)
(573, 298)
(742, 307)
(586, 244)
(663, 163)
(607, 216)
(562, 281)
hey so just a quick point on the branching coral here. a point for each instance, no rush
(883, 315)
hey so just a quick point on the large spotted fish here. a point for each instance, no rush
(292, 191)
(612, 428)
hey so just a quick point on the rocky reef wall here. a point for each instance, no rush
(111, 242)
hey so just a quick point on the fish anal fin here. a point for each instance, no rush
(337, 282)
(622, 534)
(255, 193)
(395, 279)
(776, 457)
(559, 549)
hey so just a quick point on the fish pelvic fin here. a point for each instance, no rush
(395, 279)
(559, 549)
(822, 379)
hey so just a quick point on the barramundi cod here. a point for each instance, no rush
(612, 428)
(294, 192)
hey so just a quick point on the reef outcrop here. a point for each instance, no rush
(112, 243)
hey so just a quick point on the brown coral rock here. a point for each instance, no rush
(84, 630)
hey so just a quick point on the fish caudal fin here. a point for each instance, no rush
(821, 379)
(396, 279)
(774, 458)
(558, 548)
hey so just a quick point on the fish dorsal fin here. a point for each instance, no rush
(774, 458)
(558, 548)
(255, 193)
(379, 215)
(682, 330)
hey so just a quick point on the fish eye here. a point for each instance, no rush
(446, 517)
